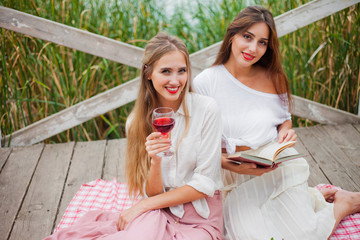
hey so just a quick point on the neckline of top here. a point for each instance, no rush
(243, 86)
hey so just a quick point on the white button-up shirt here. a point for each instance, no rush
(197, 161)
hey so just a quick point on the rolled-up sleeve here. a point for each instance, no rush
(207, 173)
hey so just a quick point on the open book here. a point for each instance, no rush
(268, 155)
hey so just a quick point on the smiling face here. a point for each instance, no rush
(169, 77)
(248, 47)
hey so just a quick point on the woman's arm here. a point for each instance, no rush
(285, 132)
(174, 197)
(154, 184)
(155, 144)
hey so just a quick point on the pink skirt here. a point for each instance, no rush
(154, 224)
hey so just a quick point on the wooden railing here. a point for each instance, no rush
(130, 55)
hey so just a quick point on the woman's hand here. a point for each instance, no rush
(244, 168)
(129, 214)
(286, 133)
(155, 144)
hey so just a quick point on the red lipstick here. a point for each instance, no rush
(248, 56)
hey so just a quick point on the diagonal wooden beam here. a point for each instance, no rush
(75, 115)
(70, 37)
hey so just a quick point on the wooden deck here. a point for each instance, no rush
(38, 182)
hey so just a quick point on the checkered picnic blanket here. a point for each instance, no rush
(97, 195)
(113, 196)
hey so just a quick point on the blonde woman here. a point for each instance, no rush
(180, 194)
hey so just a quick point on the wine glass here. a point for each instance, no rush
(163, 121)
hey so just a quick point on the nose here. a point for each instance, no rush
(252, 47)
(174, 79)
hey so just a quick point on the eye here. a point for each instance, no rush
(166, 71)
(263, 43)
(247, 36)
(182, 70)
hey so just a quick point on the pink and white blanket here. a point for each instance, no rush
(113, 196)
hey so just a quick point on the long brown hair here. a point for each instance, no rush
(271, 59)
(138, 161)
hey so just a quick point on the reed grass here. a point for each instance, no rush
(39, 78)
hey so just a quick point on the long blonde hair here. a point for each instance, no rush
(138, 161)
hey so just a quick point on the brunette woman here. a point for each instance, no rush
(252, 91)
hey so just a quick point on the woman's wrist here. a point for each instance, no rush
(155, 161)
(145, 204)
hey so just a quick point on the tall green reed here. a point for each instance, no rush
(39, 78)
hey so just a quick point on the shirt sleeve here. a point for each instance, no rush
(207, 173)
(285, 106)
(202, 83)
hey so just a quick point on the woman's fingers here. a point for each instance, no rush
(121, 223)
(153, 135)
(157, 149)
(252, 169)
(129, 214)
(155, 144)
(291, 135)
(288, 135)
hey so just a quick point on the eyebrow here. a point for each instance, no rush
(166, 68)
(254, 35)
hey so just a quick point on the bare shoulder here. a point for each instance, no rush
(264, 82)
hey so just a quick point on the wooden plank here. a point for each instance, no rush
(37, 215)
(14, 182)
(75, 115)
(285, 24)
(316, 175)
(322, 113)
(70, 37)
(347, 139)
(4, 154)
(348, 166)
(86, 166)
(325, 152)
(115, 160)
(357, 127)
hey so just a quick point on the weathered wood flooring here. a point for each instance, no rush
(37, 182)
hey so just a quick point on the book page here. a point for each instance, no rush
(271, 150)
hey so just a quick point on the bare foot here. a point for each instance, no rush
(351, 199)
(345, 204)
(329, 194)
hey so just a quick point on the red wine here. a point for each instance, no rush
(164, 125)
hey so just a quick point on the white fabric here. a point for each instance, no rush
(197, 160)
(257, 119)
(278, 204)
